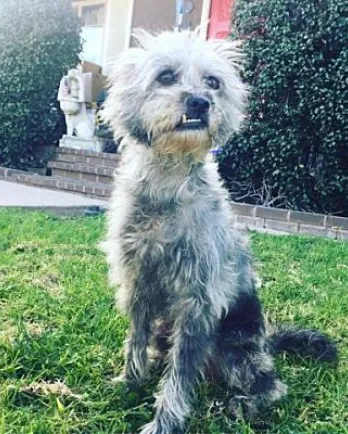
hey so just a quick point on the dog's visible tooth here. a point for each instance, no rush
(184, 119)
(193, 120)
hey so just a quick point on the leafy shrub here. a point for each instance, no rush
(293, 150)
(39, 41)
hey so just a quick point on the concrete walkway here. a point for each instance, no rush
(24, 196)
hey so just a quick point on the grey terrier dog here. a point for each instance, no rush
(184, 276)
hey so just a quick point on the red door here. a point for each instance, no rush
(220, 18)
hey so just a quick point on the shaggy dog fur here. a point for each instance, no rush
(185, 277)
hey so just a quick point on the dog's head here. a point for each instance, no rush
(177, 93)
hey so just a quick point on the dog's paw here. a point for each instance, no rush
(242, 407)
(155, 427)
(151, 428)
(119, 379)
(126, 383)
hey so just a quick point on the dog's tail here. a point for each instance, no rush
(302, 342)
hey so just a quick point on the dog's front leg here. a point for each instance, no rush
(136, 360)
(136, 366)
(192, 342)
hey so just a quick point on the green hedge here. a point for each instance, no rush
(39, 41)
(293, 150)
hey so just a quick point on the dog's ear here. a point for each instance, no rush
(229, 50)
(142, 38)
(123, 85)
(125, 65)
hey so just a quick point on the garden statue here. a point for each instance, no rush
(80, 128)
(71, 96)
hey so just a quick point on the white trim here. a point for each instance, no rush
(205, 16)
(130, 24)
(106, 31)
(118, 28)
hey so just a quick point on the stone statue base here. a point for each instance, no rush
(94, 144)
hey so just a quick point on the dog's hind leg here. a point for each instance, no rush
(159, 344)
(191, 343)
(244, 360)
(250, 373)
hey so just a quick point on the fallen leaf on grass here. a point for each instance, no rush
(50, 388)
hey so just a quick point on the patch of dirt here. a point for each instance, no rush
(34, 328)
(26, 247)
(48, 282)
(9, 331)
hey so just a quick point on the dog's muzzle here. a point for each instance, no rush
(196, 116)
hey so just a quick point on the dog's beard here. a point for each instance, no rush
(172, 137)
(179, 144)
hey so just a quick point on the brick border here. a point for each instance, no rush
(246, 216)
(66, 211)
(282, 221)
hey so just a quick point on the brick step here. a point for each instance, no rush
(70, 155)
(81, 171)
(91, 189)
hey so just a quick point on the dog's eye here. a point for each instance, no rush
(167, 78)
(212, 82)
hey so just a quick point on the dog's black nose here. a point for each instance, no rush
(197, 106)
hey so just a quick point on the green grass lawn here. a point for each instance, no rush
(60, 337)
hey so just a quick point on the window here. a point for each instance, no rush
(93, 16)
